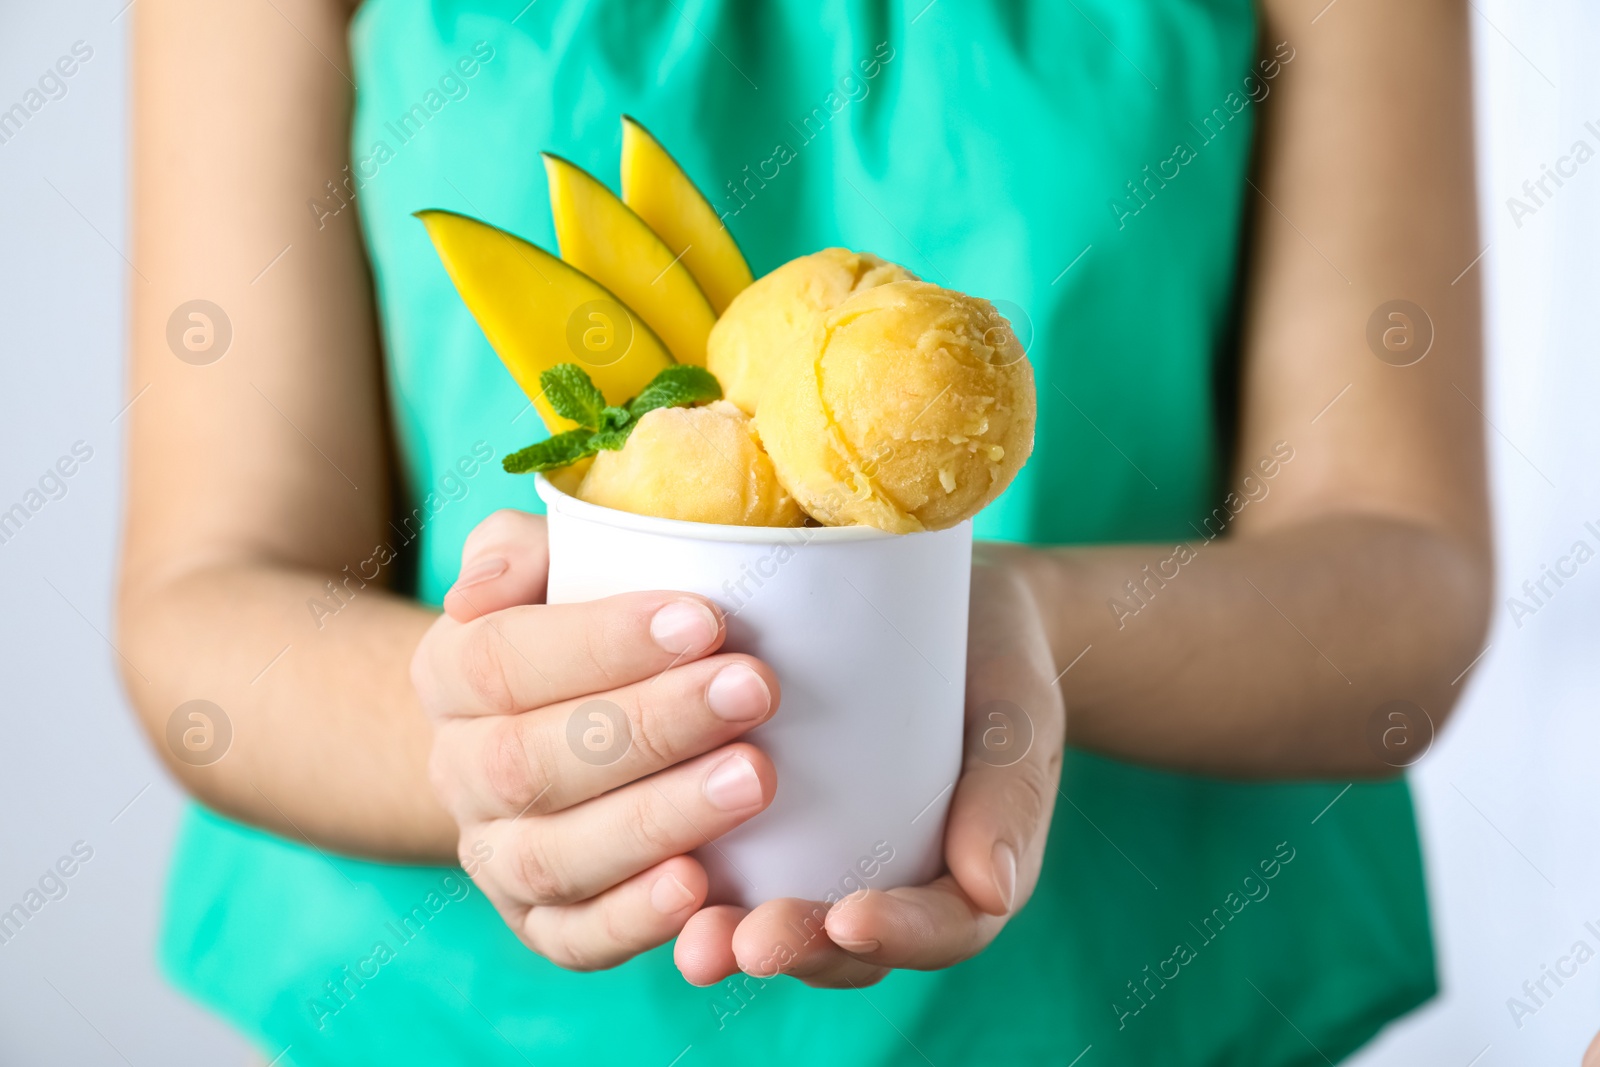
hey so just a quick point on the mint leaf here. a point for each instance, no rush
(562, 450)
(678, 386)
(612, 440)
(573, 395)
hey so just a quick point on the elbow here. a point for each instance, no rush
(1432, 646)
(1462, 583)
(186, 735)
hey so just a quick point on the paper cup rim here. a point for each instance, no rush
(556, 500)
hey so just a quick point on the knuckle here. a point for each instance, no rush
(498, 525)
(871, 978)
(653, 833)
(424, 667)
(571, 956)
(513, 778)
(1028, 791)
(441, 775)
(537, 876)
(595, 644)
(577, 948)
(417, 671)
(610, 929)
(483, 670)
(651, 736)
(502, 520)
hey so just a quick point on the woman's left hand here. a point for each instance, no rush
(994, 836)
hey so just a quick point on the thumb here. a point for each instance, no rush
(1000, 814)
(504, 563)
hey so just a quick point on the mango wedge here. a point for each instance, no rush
(655, 187)
(601, 237)
(537, 312)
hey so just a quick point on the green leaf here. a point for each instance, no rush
(573, 395)
(612, 440)
(614, 419)
(562, 450)
(678, 386)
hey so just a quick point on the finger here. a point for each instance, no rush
(547, 760)
(790, 937)
(1000, 815)
(585, 850)
(504, 561)
(529, 656)
(629, 918)
(919, 928)
(704, 950)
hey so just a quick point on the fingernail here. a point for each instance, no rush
(733, 786)
(1005, 873)
(738, 694)
(858, 946)
(670, 896)
(481, 571)
(684, 626)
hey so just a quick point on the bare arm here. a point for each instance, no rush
(1364, 574)
(257, 478)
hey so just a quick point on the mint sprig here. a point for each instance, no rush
(600, 425)
(573, 395)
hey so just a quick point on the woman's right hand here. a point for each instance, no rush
(585, 749)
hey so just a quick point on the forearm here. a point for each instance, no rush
(329, 743)
(258, 464)
(1262, 655)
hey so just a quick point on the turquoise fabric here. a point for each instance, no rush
(1082, 163)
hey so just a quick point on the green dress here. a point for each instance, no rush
(1081, 163)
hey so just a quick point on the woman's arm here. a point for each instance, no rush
(1364, 575)
(256, 479)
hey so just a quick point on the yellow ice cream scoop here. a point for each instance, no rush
(907, 407)
(779, 309)
(700, 464)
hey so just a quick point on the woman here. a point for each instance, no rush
(1245, 532)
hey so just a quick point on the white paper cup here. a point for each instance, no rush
(867, 632)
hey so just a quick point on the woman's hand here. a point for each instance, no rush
(583, 749)
(994, 838)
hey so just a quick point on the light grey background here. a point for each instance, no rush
(78, 985)
(1508, 797)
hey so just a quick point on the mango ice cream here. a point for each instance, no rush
(769, 315)
(906, 407)
(700, 464)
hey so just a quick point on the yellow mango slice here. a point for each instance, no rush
(537, 312)
(655, 187)
(600, 236)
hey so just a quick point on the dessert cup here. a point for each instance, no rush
(867, 632)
